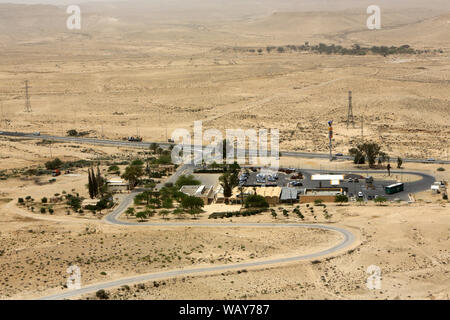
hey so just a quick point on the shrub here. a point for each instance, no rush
(256, 201)
(318, 202)
(54, 164)
(102, 294)
(380, 200)
(20, 201)
(440, 169)
(43, 210)
(50, 210)
(341, 198)
(44, 200)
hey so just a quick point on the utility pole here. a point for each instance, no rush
(362, 128)
(330, 135)
(27, 98)
(350, 118)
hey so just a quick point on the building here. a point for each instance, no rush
(117, 185)
(271, 194)
(289, 195)
(324, 194)
(203, 192)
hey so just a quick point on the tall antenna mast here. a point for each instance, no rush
(350, 118)
(27, 98)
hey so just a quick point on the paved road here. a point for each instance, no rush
(147, 145)
(347, 241)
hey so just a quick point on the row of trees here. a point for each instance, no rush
(371, 152)
(96, 183)
(355, 49)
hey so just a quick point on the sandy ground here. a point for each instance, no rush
(409, 244)
(126, 74)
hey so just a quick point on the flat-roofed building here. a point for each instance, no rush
(288, 195)
(203, 192)
(117, 185)
(271, 194)
(324, 194)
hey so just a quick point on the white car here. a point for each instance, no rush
(360, 195)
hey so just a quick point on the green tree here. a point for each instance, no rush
(141, 215)
(341, 198)
(399, 162)
(256, 201)
(192, 204)
(184, 180)
(54, 164)
(164, 213)
(132, 174)
(130, 212)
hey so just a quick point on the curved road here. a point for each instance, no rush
(347, 241)
(112, 218)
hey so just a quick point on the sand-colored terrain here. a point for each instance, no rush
(136, 68)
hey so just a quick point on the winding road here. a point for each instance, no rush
(348, 239)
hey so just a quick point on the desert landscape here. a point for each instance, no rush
(146, 68)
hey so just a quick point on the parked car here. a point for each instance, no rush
(350, 180)
(339, 154)
(360, 195)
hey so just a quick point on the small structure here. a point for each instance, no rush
(271, 194)
(288, 195)
(334, 179)
(203, 192)
(324, 194)
(218, 194)
(117, 185)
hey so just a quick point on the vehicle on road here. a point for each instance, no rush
(134, 139)
(431, 159)
(339, 154)
(37, 134)
(394, 188)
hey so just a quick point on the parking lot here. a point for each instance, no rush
(352, 183)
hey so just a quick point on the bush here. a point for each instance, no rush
(43, 210)
(51, 211)
(54, 164)
(20, 201)
(341, 198)
(380, 200)
(440, 169)
(44, 200)
(255, 201)
(102, 294)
